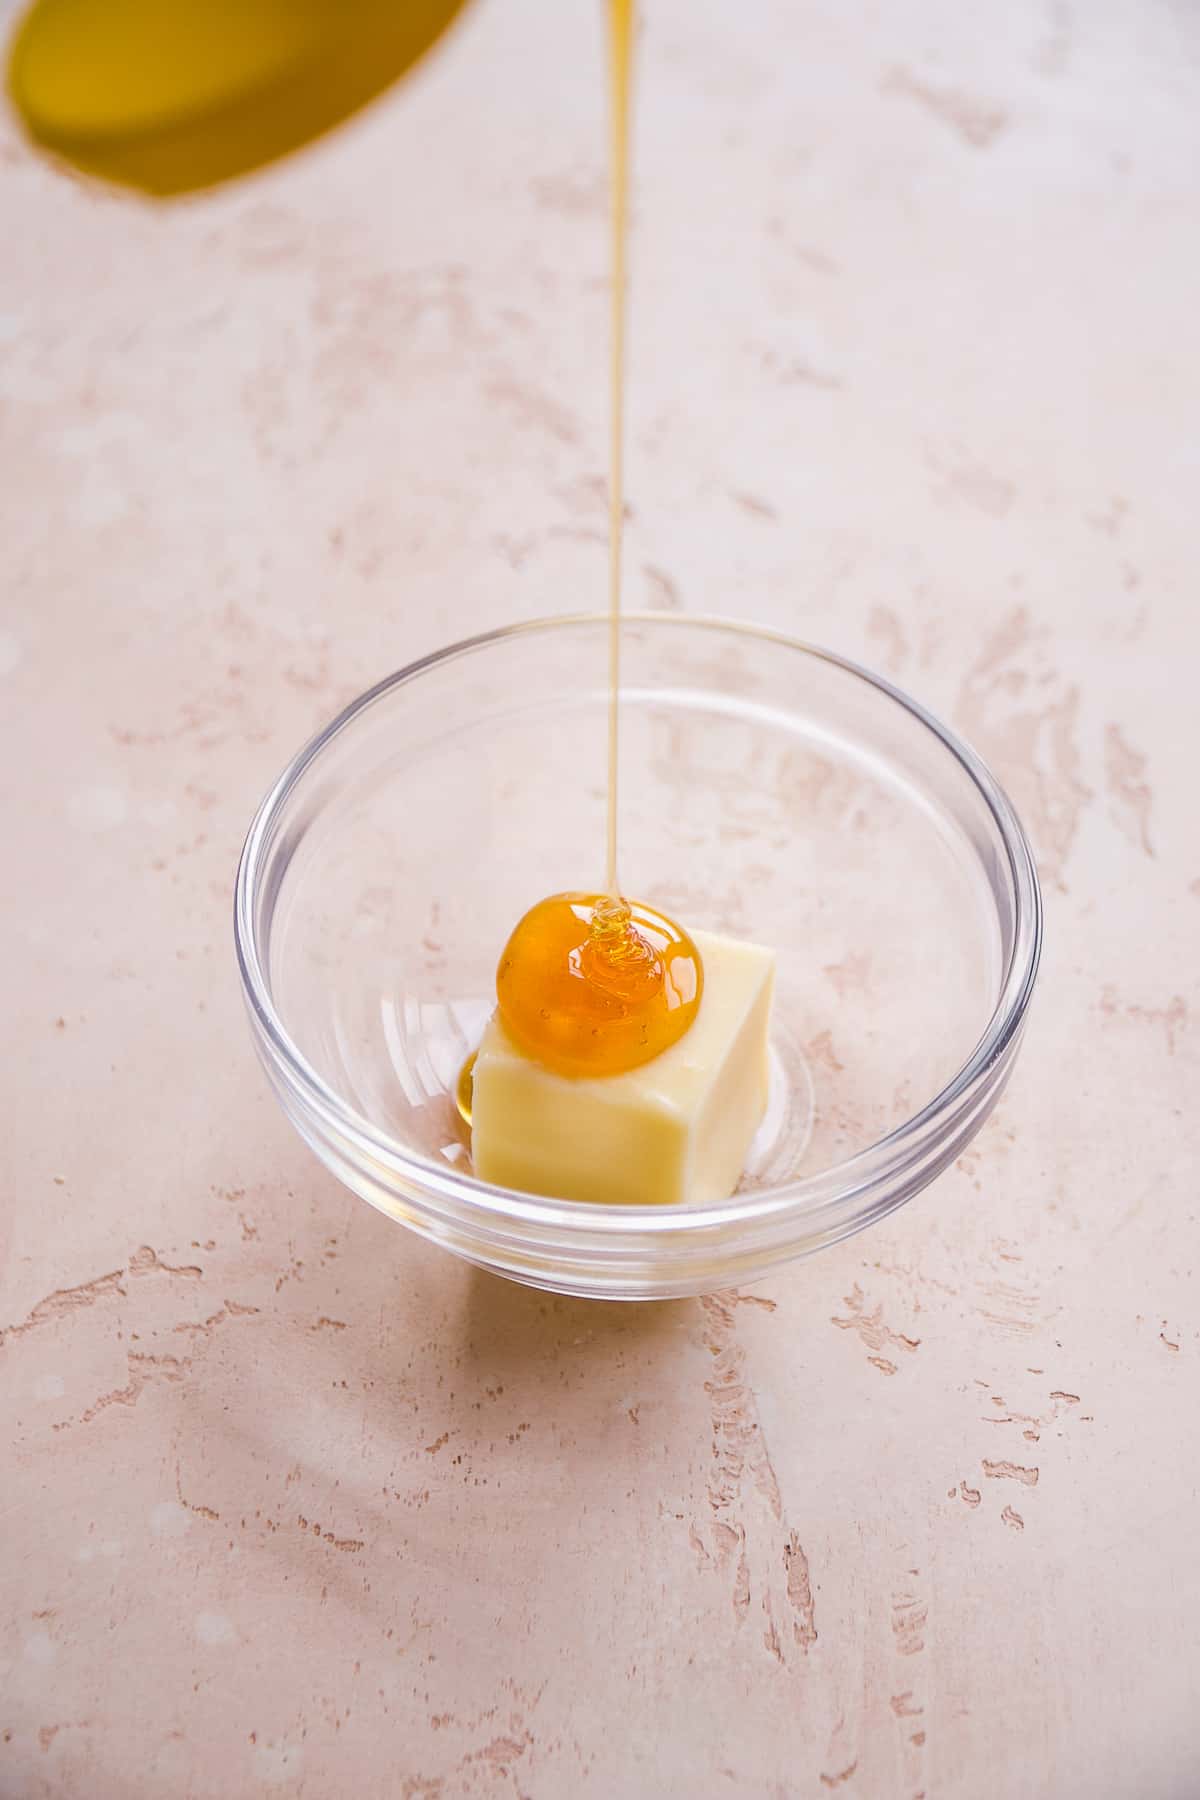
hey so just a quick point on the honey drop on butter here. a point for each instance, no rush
(593, 986)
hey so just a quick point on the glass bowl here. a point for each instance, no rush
(769, 790)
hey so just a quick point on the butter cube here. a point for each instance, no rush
(676, 1129)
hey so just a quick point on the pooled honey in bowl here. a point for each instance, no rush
(591, 986)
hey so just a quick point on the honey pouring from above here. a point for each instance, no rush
(626, 1061)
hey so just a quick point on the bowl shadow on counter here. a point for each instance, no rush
(501, 1383)
(508, 1372)
(519, 1325)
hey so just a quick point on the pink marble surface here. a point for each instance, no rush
(293, 1503)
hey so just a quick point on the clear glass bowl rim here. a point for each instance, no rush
(814, 1200)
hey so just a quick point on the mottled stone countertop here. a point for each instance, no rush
(293, 1502)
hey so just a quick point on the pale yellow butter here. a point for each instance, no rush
(676, 1129)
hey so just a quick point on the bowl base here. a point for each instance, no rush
(787, 1127)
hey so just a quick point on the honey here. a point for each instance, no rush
(593, 984)
(589, 987)
(464, 1089)
(620, 78)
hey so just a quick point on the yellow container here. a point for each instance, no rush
(173, 95)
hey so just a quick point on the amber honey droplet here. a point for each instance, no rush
(594, 986)
(464, 1088)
